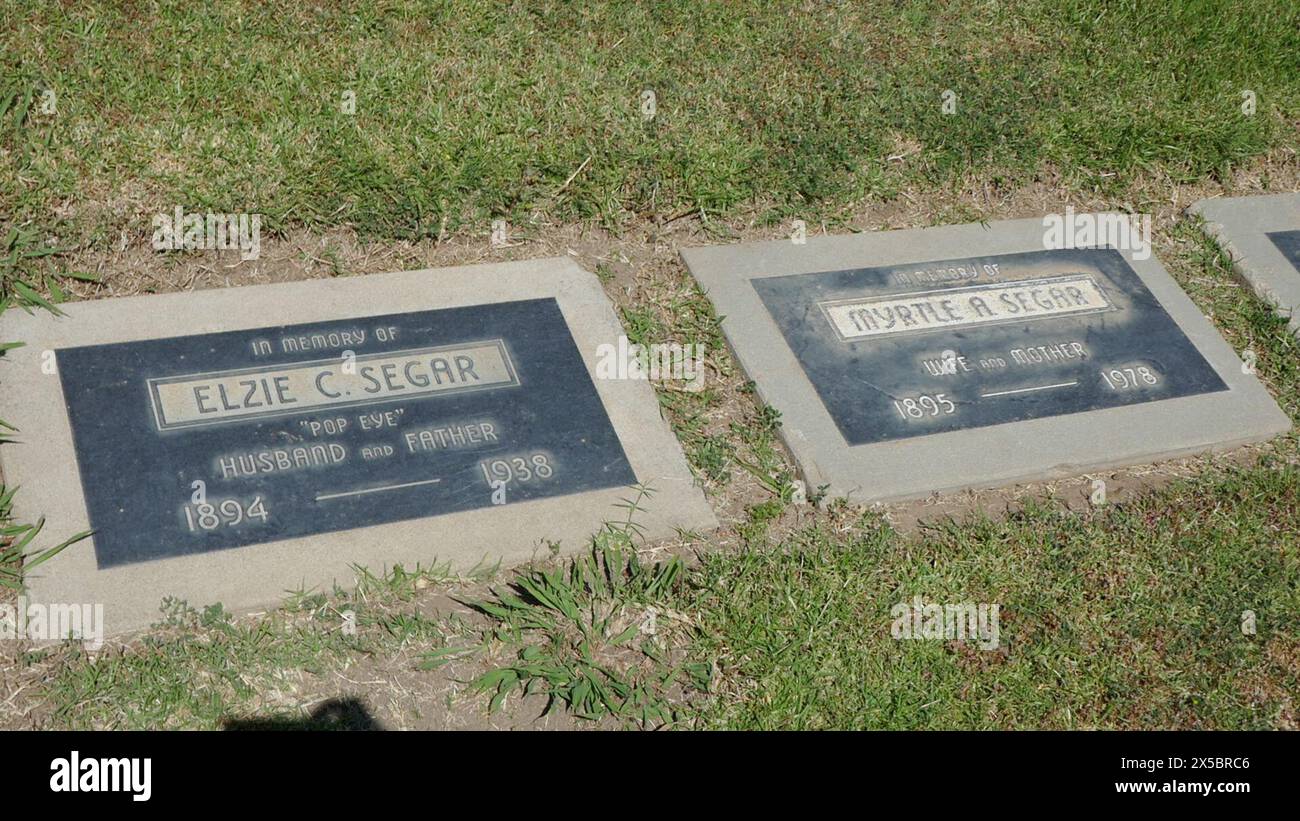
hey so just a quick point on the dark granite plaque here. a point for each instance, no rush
(328, 426)
(1288, 242)
(908, 350)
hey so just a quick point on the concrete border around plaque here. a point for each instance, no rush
(1262, 235)
(528, 327)
(813, 325)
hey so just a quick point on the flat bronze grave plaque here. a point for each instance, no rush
(910, 362)
(235, 444)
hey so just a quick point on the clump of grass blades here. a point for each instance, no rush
(15, 539)
(20, 288)
(596, 636)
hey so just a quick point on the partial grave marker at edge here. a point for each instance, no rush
(1261, 234)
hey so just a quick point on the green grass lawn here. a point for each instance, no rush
(1128, 619)
(468, 109)
(1126, 616)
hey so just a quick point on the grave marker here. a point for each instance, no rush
(909, 362)
(231, 445)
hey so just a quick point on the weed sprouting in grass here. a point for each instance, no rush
(596, 636)
(22, 288)
(20, 285)
(5, 430)
(630, 526)
(15, 538)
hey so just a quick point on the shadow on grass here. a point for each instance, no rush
(335, 714)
